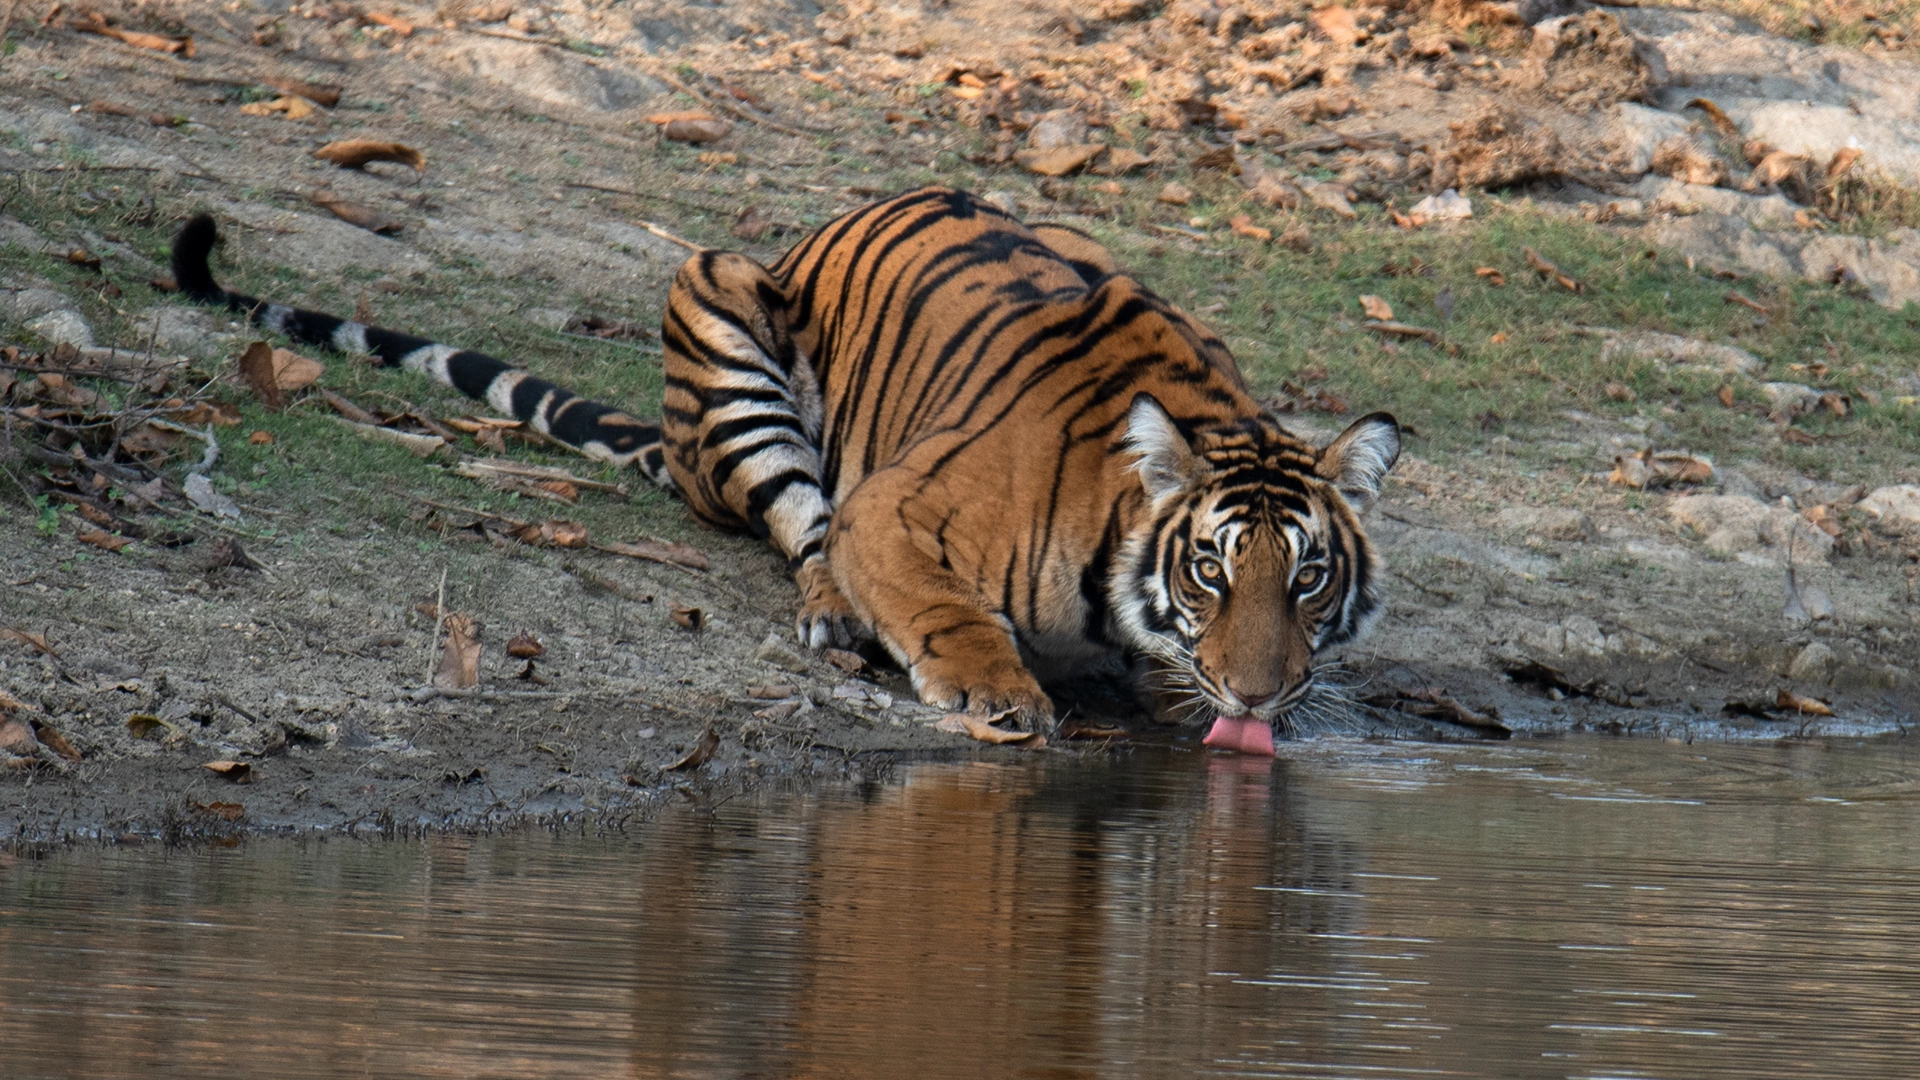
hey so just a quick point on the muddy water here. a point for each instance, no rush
(1560, 909)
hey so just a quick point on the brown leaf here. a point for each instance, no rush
(718, 157)
(1665, 468)
(1800, 703)
(1060, 161)
(1400, 329)
(1843, 159)
(147, 726)
(228, 811)
(36, 642)
(82, 257)
(701, 753)
(658, 551)
(9, 703)
(260, 438)
(1121, 160)
(293, 108)
(849, 662)
(460, 658)
(676, 117)
(772, 692)
(692, 618)
(356, 153)
(695, 131)
(525, 646)
(256, 370)
(1547, 269)
(102, 539)
(354, 214)
(111, 108)
(348, 409)
(1242, 225)
(202, 413)
(1798, 437)
(1619, 392)
(1837, 404)
(1823, 518)
(1493, 277)
(1733, 297)
(1726, 396)
(1176, 194)
(1721, 121)
(395, 23)
(981, 728)
(52, 739)
(237, 771)
(327, 96)
(1376, 308)
(157, 42)
(1220, 158)
(750, 225)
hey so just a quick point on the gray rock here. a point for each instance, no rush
(1735, 482)
(1815, 664)
(15, 233)
(1584, 635)
(776, 652)
(1005, 200)
(31, 302)
(63, 327)
(550, 76)
(1061, 127)
(1674, 349)
(1738, 525)
(1897, 505)
(1890, 271)
(1632, 131)
(1724, 242)
(1664, 193)
(181, 329)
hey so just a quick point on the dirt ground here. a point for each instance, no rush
(1774, 598)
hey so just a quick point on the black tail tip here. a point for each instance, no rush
(190, 251)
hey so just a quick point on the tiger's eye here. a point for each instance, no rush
(1209, 569)
(1309, 578)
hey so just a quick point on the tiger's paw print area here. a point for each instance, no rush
(1652, 373)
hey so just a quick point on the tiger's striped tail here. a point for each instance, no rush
(598, 431)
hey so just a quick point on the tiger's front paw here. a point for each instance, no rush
(826, 616)
(994, 689)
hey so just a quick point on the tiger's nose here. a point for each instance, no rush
(1252, 701)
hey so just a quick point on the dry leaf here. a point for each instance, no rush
(849, 662)
(1094, 732)
(260, 438)
(1721, 120)
(52, 739)
(1242, 225)
(1176, 194)
(17, 737)
(981, 728)
(692, 618)
(82, 257)
(355, 214)
(293, 108)
(356, 153)
(676, 117)
(9, 703)
(147, 726)
(460, 659)
(566, 534)
(701, 753)
(772, 692)
(394, 23)
(1222, 158)
(750, 225)
(327, 96)
(1547, 269)
(695, 131)
(718, 157)
(525, 647)
(256, 370)
(237, 771)
(1121, 160)
(36, 642)
(1619, 392)
(1376, 308)
(1493, 277)
(102, 539)
(1400, 329)
(95, 24)
(1726, 396)
(230, 811)
(1801, 703)
(1823, 518)
(1668, 467)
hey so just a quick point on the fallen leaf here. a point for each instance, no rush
(52, 739)
(1837, 404)
(692, 618)
(1120, 160)
(1733, 297)
(256, 370)
(237, 771)
(355, 214)
(101, 539)
(525, 646)
(110, 108)
(1060, 161)
(1726, 396)
(556, 533)
(327, 96)
(1094, 732)
(1175, 194)
(750, 225)
(1823, 518)
(1376, 308)
(1222, 158)
(1667, 467)
(778, 711)
(1329, 197)
(293, 108)
(148, 726)
(394, 23)
(357, 153)
(1449, 205)
(981, 728)
(260, 438)
(1547, 269)
(82, 257)
(229, 811)
(701, 753)
(36, 642)
(1800, 703)
(849, 662)
(460, 658)
(158, 42)
(1619, 392)
(1798, 437)
(1721, 120)
(1242, 225)
(1400, 329)
(772, 692)
(9, 703)
(1493, 277)
(703, 130)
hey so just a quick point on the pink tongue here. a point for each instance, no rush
(1246, 734)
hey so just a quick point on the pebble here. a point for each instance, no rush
(776, 652)
(1814, 664)
(63, 327)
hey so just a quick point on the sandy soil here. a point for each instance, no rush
(312, 670)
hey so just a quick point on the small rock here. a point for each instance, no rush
(1584, 636)
(1815, 664)
(1674, 349)
(1449, 205)
(776, 652)
(1176, 194)
(1329, 197)
(1897, 505)
(63, 327)
(1736, 524)
(1790, 399)
(1551, 522)
(1057, 130)
(1004, 201)
(1816, 603)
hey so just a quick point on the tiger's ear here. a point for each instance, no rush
(1167, 464)
(1358, 460)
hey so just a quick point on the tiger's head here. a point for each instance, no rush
(1252, 559)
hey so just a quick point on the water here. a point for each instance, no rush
(1580, 908)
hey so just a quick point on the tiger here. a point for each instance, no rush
(979, 443)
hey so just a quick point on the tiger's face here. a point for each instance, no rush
(1254, 560)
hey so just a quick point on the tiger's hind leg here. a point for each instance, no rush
(741, 419)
